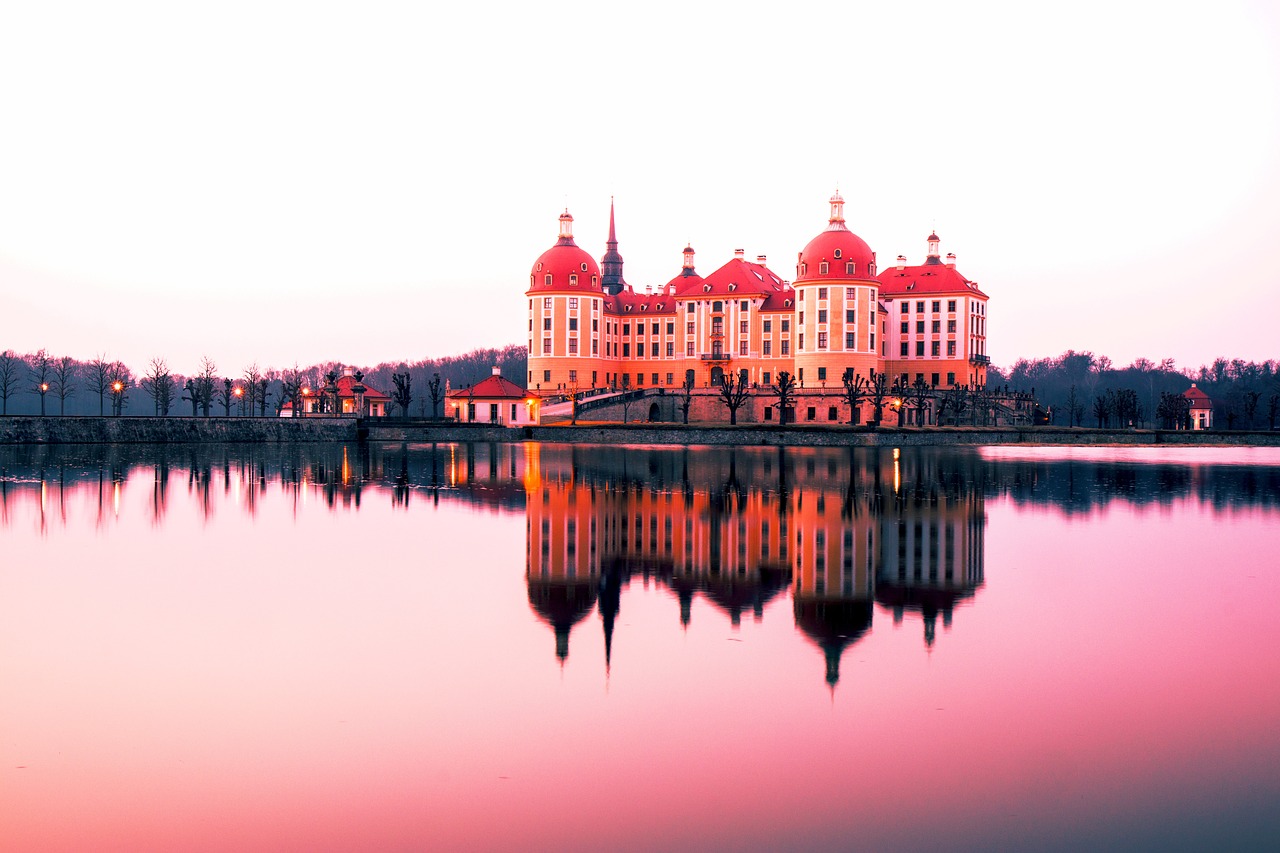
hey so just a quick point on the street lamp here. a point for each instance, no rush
(239, 392)
(117, 391)
(44, 389)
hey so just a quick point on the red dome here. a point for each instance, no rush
(837, 248)
(564, 267)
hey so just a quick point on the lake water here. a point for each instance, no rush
(550, 647)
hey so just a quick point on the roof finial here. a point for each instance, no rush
(836, 222)
(566, 227)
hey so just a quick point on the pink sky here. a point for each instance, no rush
(281, 182)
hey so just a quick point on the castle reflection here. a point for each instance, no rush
(847, 534)
(840, 529)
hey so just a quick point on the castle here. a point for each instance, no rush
(590, 329)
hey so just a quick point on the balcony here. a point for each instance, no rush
(714, 356)
(979, 359)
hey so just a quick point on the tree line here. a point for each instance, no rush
(1080, 388)
(41, 383)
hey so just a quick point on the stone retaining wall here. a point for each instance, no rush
(139, 430)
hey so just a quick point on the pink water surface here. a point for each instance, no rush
(258, 668)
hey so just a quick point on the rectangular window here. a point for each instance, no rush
(573, 302)
(919, 327)
(937, 305)
(951, 348)
(595, 347)
(933, 379)
(546, 303)
(768, 378)
(639, 381)
(822, 315)
(832, 413)
(768, 326)
(670, 377)
(937, 326)
(573, 376)
(671, 328)
(904, 306)
(690, 328)
(822, 340)
(744, 305)
(573, 346)
(934, 349)
(903, 351)
(743, 327)
(849, 342)
(920, 348)
(573, 324)
(951, 378)
(595, 325)
(546, 376)
(655, 379)
(849, 316)
(768, 410)
(850, 293)
(906, 326)
(951, 325)
(671, 349)
(786, 347)
(742, 348)
(822, 374)
(546, 324)
(920, 307)
(822, 293)
(811, 413)
(951, 305)
(800, 345)
(546, 346)
(626, 350)
(653, 349)
(689, 348)
(513, 413)
(786, 325)
(800, 318)
(767, 348)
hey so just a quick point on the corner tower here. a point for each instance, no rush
(837, 299)
(566, 303)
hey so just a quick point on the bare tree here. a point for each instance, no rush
(686, 396)
(626, 396)
(402, 396)
(158, 383)
(785, 390)
(263, 385)
(1102, 408)
(193, 396)
(877, 392)
(41, 369)
(733, 393)
(64, 381)
(205, 384)
(225, 397)
(1251, 400)
(921, 395)
(435, 392)
(1075, 407)
(10, 364)
(855, 391)
(1273, 408)
(119, 380)
(251, 377)
(98, 373)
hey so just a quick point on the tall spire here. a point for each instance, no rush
(611, 264)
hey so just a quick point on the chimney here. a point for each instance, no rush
(760, 259)
(951, 260)
(740, 254)
(348, 371)
(497, 371)
(902, 262)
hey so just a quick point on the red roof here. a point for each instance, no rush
(932, 278)
(837, 246)
(1198, 398)
(492, 388)
(345, 383)
(628, 303)
(738, 279)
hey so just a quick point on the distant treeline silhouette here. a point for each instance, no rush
(1078, 387)
(40, 383)
(1083, 389)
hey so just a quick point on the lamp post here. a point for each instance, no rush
(117, 391)
(44, 389)
(239, 392)
(306, 401)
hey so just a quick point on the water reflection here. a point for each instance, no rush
(840, 530)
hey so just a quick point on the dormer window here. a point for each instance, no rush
(822, 268)
(804, 269)
(732, 287)
(594, 280)
(837, 254)
(706, 288)
(848, 268)
(573, 280)
(584, 267)
(539, 268)
(547, 279)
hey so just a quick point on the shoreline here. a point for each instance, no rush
(92, 429)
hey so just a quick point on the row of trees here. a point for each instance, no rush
(1080, 387)
(40, 383)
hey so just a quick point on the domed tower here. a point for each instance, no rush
(566, 307)
(837, 297)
